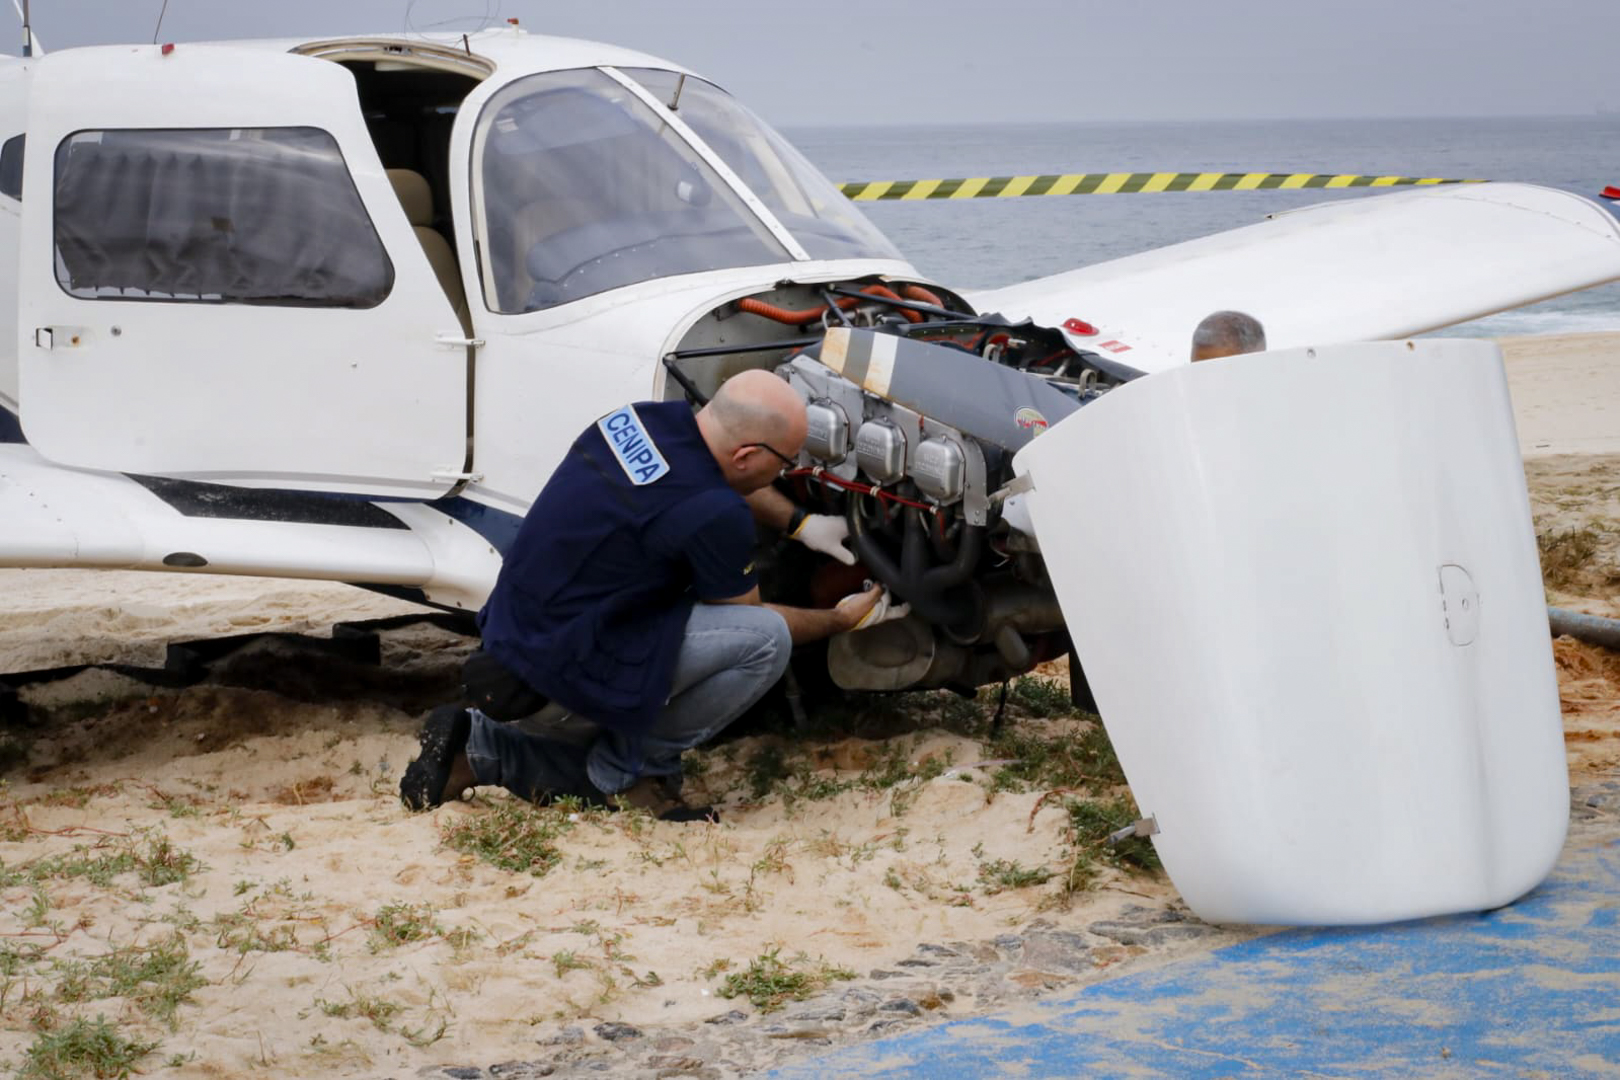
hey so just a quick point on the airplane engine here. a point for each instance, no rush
(912, 442)
(916, 406)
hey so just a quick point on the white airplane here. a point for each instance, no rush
(335, 309)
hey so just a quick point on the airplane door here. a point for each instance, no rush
(217, 281)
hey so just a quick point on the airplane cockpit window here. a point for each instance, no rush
(812, 208)
(584, 189)
(220, 215)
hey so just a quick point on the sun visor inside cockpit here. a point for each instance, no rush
(1305, 589)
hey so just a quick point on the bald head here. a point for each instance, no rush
(1227, 333)
(756, 406)
(753, 408)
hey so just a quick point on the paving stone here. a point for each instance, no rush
(675, 1065)
(735, 1016)
(1058, 950)
(613, 1031)
(937, 950)
(1032, 979)
(828, 1013)
(901, 1005)
(568, 1036)
(521, 1070)
(1127, 934)
(879, 973)
(671, 1043)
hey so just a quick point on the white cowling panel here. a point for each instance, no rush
(1304, 586)
(1352, 270)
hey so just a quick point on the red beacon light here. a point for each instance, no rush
(1610, 192)
(168, 47)
(1081, 327)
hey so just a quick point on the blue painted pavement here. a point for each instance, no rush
(1528, 990)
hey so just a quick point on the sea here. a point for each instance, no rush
(982, 243)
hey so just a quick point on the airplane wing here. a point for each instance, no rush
(1353, 270)
(51, 516)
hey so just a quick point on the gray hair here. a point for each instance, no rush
(1227, 333)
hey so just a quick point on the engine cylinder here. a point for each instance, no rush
(827, 438)
(940, 469)
(880, 449)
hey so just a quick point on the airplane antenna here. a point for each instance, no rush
(158, 29)
(28, 33)
(675, 102)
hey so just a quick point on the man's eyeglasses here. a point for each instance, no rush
(787, 462)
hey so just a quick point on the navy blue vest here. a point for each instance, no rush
(591, 604)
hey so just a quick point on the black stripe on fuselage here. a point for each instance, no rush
(196, 499)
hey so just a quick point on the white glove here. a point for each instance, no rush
(825, 533)
(882, 611)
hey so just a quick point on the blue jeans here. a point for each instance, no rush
(731, 655)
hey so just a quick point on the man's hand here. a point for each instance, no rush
(826, 533)
(864, 610)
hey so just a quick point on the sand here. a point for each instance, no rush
(336, 934)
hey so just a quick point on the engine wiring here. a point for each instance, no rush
(820, 475)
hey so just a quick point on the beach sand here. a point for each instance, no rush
(249, 825)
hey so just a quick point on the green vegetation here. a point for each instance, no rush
(1572, 558)
(769, 982)
(83, 1048)
(510, 835)
(401, 924)
(1067, 760)
(157, 862)
(380, 1011)
(158, 978)
(1041, 697)
(1092, 820)
(770, 771)
(567, 960)
(1001, 875)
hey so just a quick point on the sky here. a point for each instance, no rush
(954, 61)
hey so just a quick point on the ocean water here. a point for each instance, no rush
(982, 243)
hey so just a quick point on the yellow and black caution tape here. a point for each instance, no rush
(1006, 187)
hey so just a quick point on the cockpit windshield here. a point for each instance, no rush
(818, 215)
(583, 188)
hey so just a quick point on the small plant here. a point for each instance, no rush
(1092, 821)
(245, 931)
(380, 1011)
(157, 861)
(769, 982)
(1041, 697)
(164, 864)
(157, 978)
(1568, 555)
(402, 924)
(766, 769)
(567, 960)
(1000, 875)
(83, 1048)
(510, 836)
(1066, 760)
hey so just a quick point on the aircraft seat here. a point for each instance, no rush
(417, 199)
